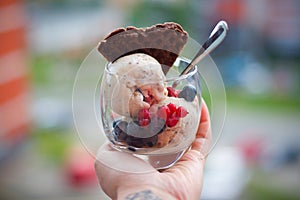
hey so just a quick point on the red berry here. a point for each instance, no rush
(172, 120)
(172, 107)
(144, 122)
(172, 92)
(143, 114)
(147, 99)
(181, 112)
(163, 112)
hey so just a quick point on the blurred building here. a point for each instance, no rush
(14, 90)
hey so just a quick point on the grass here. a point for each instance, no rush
(264, 192)
(261, 188)
(264, 101)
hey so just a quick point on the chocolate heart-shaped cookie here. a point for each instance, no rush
(164, 42)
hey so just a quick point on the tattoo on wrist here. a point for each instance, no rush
(143, 195)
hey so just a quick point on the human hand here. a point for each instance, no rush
(181, 181)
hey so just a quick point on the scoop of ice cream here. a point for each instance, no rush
(139, 83)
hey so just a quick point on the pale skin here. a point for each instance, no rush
(181, 181)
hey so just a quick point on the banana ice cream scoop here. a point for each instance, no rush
(139, 82)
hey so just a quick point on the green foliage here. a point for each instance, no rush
(147, 13)
(40, 69)
(261, 189)
(267, 101)
(51, 143)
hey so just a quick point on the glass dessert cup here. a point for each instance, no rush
(158, 134)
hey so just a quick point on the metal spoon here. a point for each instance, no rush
(216, 37)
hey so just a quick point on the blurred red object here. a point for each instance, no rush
(232, 11)
(79, 167)
(251, 148)
(14, 90)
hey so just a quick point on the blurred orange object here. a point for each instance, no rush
(232, 11)
(14, 91)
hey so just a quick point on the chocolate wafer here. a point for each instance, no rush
(164, 42)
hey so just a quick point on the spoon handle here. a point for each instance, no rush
(216, 37)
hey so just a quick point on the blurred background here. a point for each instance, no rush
(43, 42)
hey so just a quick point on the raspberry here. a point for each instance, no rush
(143, 114)
(144, 122)
(172, 92)
(172, 107)
(147, 99)
(143, 117)
(172, 120)
(181, 112)
(163, 112)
